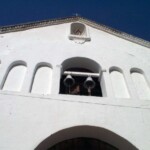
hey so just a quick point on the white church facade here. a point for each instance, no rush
(71, 83)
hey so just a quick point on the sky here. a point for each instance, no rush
(130, 16)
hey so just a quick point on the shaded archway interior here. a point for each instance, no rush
(81, 62)
(82, 143)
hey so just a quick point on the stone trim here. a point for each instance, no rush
(115, 32)
(44, 23)
(37, 24)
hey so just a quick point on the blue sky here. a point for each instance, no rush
(130, 16)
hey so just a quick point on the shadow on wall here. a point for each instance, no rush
(86, 132)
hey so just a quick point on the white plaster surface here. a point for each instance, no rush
(141, 85)
(26, 119)
(15, 78)
(42, 81)
(119, 85)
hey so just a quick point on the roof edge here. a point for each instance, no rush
(43, 23)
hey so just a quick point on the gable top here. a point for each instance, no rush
(37, 24)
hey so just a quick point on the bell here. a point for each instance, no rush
(89, 83)
(69, 81)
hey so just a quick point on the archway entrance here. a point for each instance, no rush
(83, 144)
(85, 138)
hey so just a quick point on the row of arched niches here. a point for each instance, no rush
(78, 76)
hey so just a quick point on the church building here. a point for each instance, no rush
(73, 84)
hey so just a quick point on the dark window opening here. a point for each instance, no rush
(83, 144)
(78, 86)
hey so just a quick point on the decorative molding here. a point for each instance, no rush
(79, 39)
(26, 26)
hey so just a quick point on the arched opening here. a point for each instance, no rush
(79, 33)
(85, 137)
(42, 79)
(80, 76)
(83, 143)
(118, 83)
(15, 76)
(78, 29)
(140, 83)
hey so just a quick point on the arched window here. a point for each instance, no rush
(140, 83)
(42, 80)
(79, 33)
(15, 77)
(80, 76)
(118, 83)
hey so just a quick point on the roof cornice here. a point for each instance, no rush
(44, 23)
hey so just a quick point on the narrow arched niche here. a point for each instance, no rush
(15, 76)
(42, 79)
(79, 33)
(107, 138)
(78, 29)
(118, 83)
(140, 83)
(80, 69)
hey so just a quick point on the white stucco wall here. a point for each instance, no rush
(119, 84)
(15, 78)
(26, 119)
(42, 81)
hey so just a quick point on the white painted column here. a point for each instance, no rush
(28, 78)
(130, 85)
(147, 76)
(56, 79)
(4, 68)
(106, 85)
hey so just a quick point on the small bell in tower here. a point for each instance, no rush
(89, 84)
(69, 82)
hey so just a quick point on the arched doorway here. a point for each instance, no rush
(83, 143)
(87, 136)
